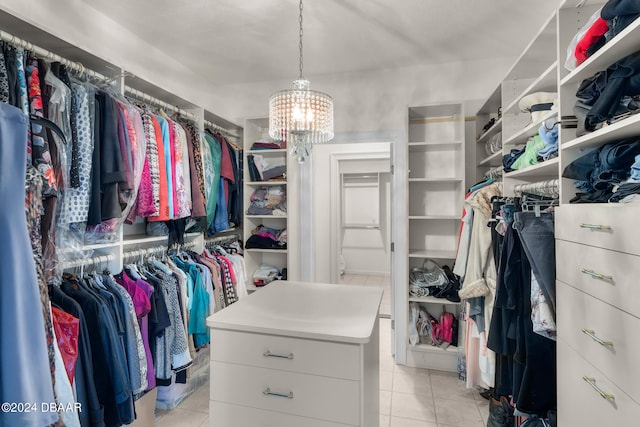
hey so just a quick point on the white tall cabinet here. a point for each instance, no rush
(436, 186)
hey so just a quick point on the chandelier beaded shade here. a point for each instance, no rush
(301, 116)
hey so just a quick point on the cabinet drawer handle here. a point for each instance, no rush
(596, 227)
(267, 392)
(597, 275)
(591, 333)
(281, 356)
(592, 382)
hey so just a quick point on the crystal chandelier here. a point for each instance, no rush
(300, 116)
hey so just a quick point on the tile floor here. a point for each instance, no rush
(383, 282)
(409, 397)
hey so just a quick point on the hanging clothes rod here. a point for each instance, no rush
(52, 57)
(221, 239)
(81, 70)
(135, 93)
(87, 261)
(227, 132)
(494, 172)
(150, 251)
(550, 188)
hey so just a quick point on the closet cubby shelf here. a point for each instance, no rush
(433, 300)
(620, 46)
(433, 349)
(265, 216)
(493, 160)
(623, 129)
(547, 168)
(421, 217)
(92, 246)
(547, 82)
(497, 127)
(268, 151)
(135, 239)
(269, 251)
(522, 136)
(265, 183)
(432, 253)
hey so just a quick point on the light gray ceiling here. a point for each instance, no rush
(239, 41)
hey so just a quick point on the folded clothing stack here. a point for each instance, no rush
(268, 201)
(266, 274)
(267, 238)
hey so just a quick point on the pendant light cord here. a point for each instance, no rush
(300, 44)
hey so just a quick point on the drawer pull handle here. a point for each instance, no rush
(281, 356)
(267, 392)
(604, 394)
(593, 336)
(596, 227)
(597, 275)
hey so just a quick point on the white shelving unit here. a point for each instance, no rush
(613, 251)
(489, 111)
(536, 70)
(435, 182)
(255, 128)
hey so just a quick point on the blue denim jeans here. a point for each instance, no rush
(537, 237)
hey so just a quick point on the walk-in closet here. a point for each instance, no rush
(304, 213)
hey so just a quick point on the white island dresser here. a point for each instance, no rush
(296, 354)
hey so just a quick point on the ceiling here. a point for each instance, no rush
(242, 41)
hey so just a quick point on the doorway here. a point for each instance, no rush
(363, 227)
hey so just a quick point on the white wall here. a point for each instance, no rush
(378, 100)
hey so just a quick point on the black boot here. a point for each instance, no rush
(500, 413)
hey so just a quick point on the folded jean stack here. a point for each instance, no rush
(610, 173)
(433, 280)
(612, 94)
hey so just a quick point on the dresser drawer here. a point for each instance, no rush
(605, 226)
(312, 396)
(288, 354)
(579, 404)
(586, 322)
(228, 415)
(607, 275)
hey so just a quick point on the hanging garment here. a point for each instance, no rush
(140, 291)
(67, 329)
(77, 200)
(153, 159)
(172, 350)
(41, 156)
(184, 183)
(4, 78)
(169, 155)
(60, 71)
(136, 356)
(23, 335)
(198, 209)
(64, 392)
(92, 413)
(212, 155)
(110, 369)
(199, 304)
